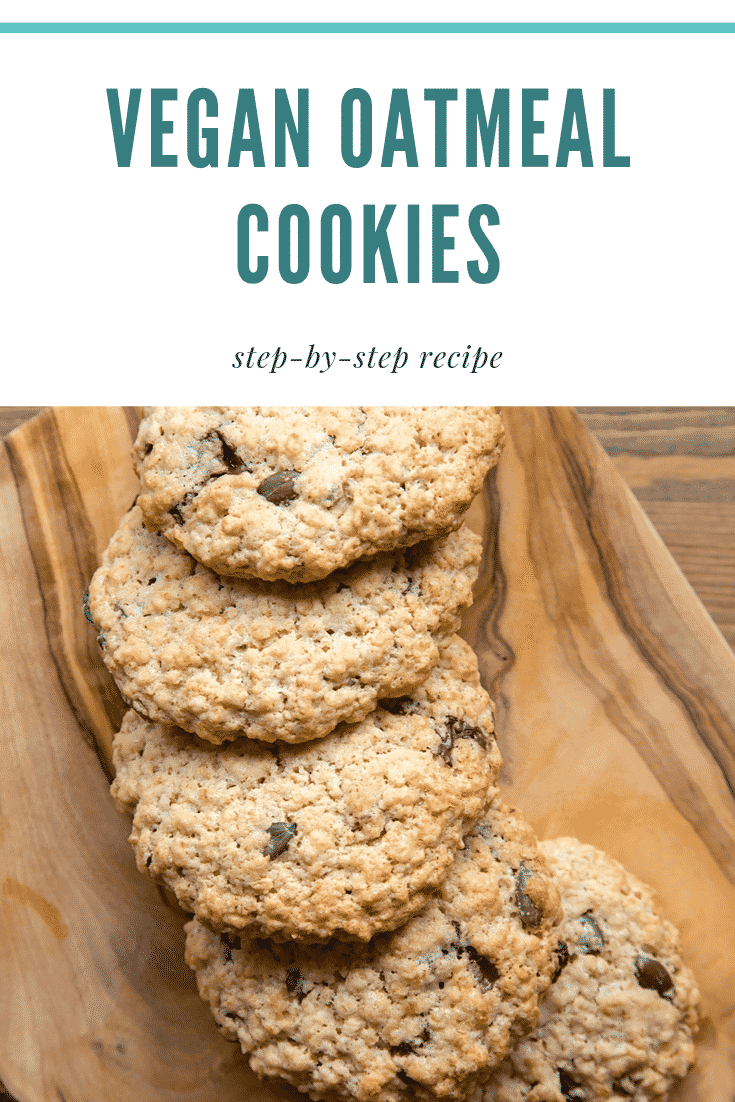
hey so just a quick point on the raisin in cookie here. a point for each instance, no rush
(417, 1014)
(223, 657)
(296, 492)
(345, 837)
(617, 1021)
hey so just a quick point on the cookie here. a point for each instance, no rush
(296, 492)
(618, 1019)
(223, 657)
(417, 1013)
(346, 836)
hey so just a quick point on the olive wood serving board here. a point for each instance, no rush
(616, 720)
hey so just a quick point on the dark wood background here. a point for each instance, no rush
(680, 463)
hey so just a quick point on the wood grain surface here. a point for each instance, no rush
(680, 464)
(616, 719)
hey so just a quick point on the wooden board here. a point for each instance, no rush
(616, 717)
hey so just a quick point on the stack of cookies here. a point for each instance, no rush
(311, 765)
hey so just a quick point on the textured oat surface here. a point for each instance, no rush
(223, 657)
(600, 1034)
(297, 492)
(363, 823)
(416, 1014)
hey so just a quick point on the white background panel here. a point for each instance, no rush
(121, 285)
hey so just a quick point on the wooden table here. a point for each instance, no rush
(680, 464)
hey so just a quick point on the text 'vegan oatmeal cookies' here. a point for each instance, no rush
(347, 836)
(419, 1013)
(296, 492)
(224, 657)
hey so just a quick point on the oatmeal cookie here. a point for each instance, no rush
(224, 657)
(617, 1021)
(416, 1014)
(346, 836)
(296, 492)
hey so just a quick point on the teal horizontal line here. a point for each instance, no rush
(367, 28)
